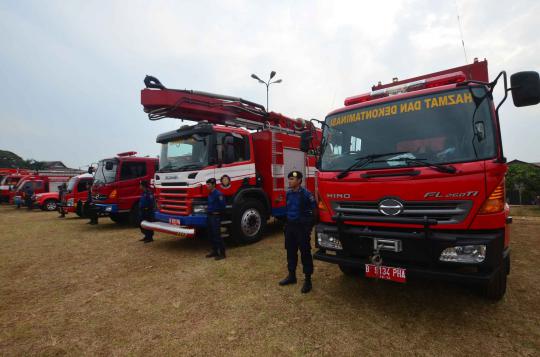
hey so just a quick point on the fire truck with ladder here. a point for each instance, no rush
(411, 179)
(246, 149)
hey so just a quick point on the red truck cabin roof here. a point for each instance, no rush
(416, 86)
(395, 97)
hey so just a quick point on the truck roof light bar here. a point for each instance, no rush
(127, 153)
(437, 81)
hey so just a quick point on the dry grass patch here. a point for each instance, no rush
(70, 288)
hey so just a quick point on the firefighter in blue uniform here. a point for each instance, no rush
(216, 206)
(300, 220)
(28, 197)
(146, 209)
(89, 209)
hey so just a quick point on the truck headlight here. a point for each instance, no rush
(70, 202)
(108, 209)
(199, 208)
(464, 254)
(327, 241)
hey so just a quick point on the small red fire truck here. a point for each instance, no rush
(246, 149)
(77, 193)
(116, 191)
(44, 185)
(9, 181)
(411, 179)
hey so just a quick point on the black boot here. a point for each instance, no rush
(220, 255)
(290, 279)
(212, 254)
(306, 288)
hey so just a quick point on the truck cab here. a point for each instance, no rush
(115, 189)
(77, 193)
(18, 193)
(7, 184)
(411, 180)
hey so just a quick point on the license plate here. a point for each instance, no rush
(174, 221)
(386, 273)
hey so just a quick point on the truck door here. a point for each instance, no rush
(236, 158)
(131, 173)
(81, 192)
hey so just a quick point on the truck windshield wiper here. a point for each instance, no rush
(166, 167)
(423, 162)
(190, 166)
(364, 160)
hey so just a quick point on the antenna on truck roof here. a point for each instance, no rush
(461, 33)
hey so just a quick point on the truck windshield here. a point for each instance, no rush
(446, 127)
(71, 184)
(106, 171)
(185, 153)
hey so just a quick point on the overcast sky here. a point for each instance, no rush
(71, 71)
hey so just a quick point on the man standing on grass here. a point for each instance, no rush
(300, 219)
(146, 209)
(62, 190)
(216, 206)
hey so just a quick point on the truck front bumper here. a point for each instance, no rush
(104, 209)
(181, 231)
(190, 221)
(420, 252)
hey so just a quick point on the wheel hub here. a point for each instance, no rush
(251, 222)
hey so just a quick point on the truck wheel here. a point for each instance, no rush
(249, 221)
(50, 205)
(120, 218)
(134, 215)
(347, 270)
(79, 209)
(496, 288)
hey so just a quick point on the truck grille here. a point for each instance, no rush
(100, 197)
(445, 212)
(173, 201)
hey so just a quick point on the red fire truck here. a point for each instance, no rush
(116, 191)
(45, 186)
(246, 149)
(9, 181)
(411, 180)
(77, 193)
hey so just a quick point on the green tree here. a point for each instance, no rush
(524, 178)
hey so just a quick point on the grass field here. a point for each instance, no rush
(67, 288)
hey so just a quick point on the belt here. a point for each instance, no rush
(214, 213)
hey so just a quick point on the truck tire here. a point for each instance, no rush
(79, 209)
(120, 218)
(50, 205)
(135, 216)
(347, 270)
(248, 222)
(496, 288)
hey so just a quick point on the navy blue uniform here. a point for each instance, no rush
(89, 210)
(146, 210)
(28, 198)
(300, 220)
(216, 205)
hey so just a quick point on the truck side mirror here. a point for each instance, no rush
(525, 88)
(305, 140)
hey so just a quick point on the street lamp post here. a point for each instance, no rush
(267, 84)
